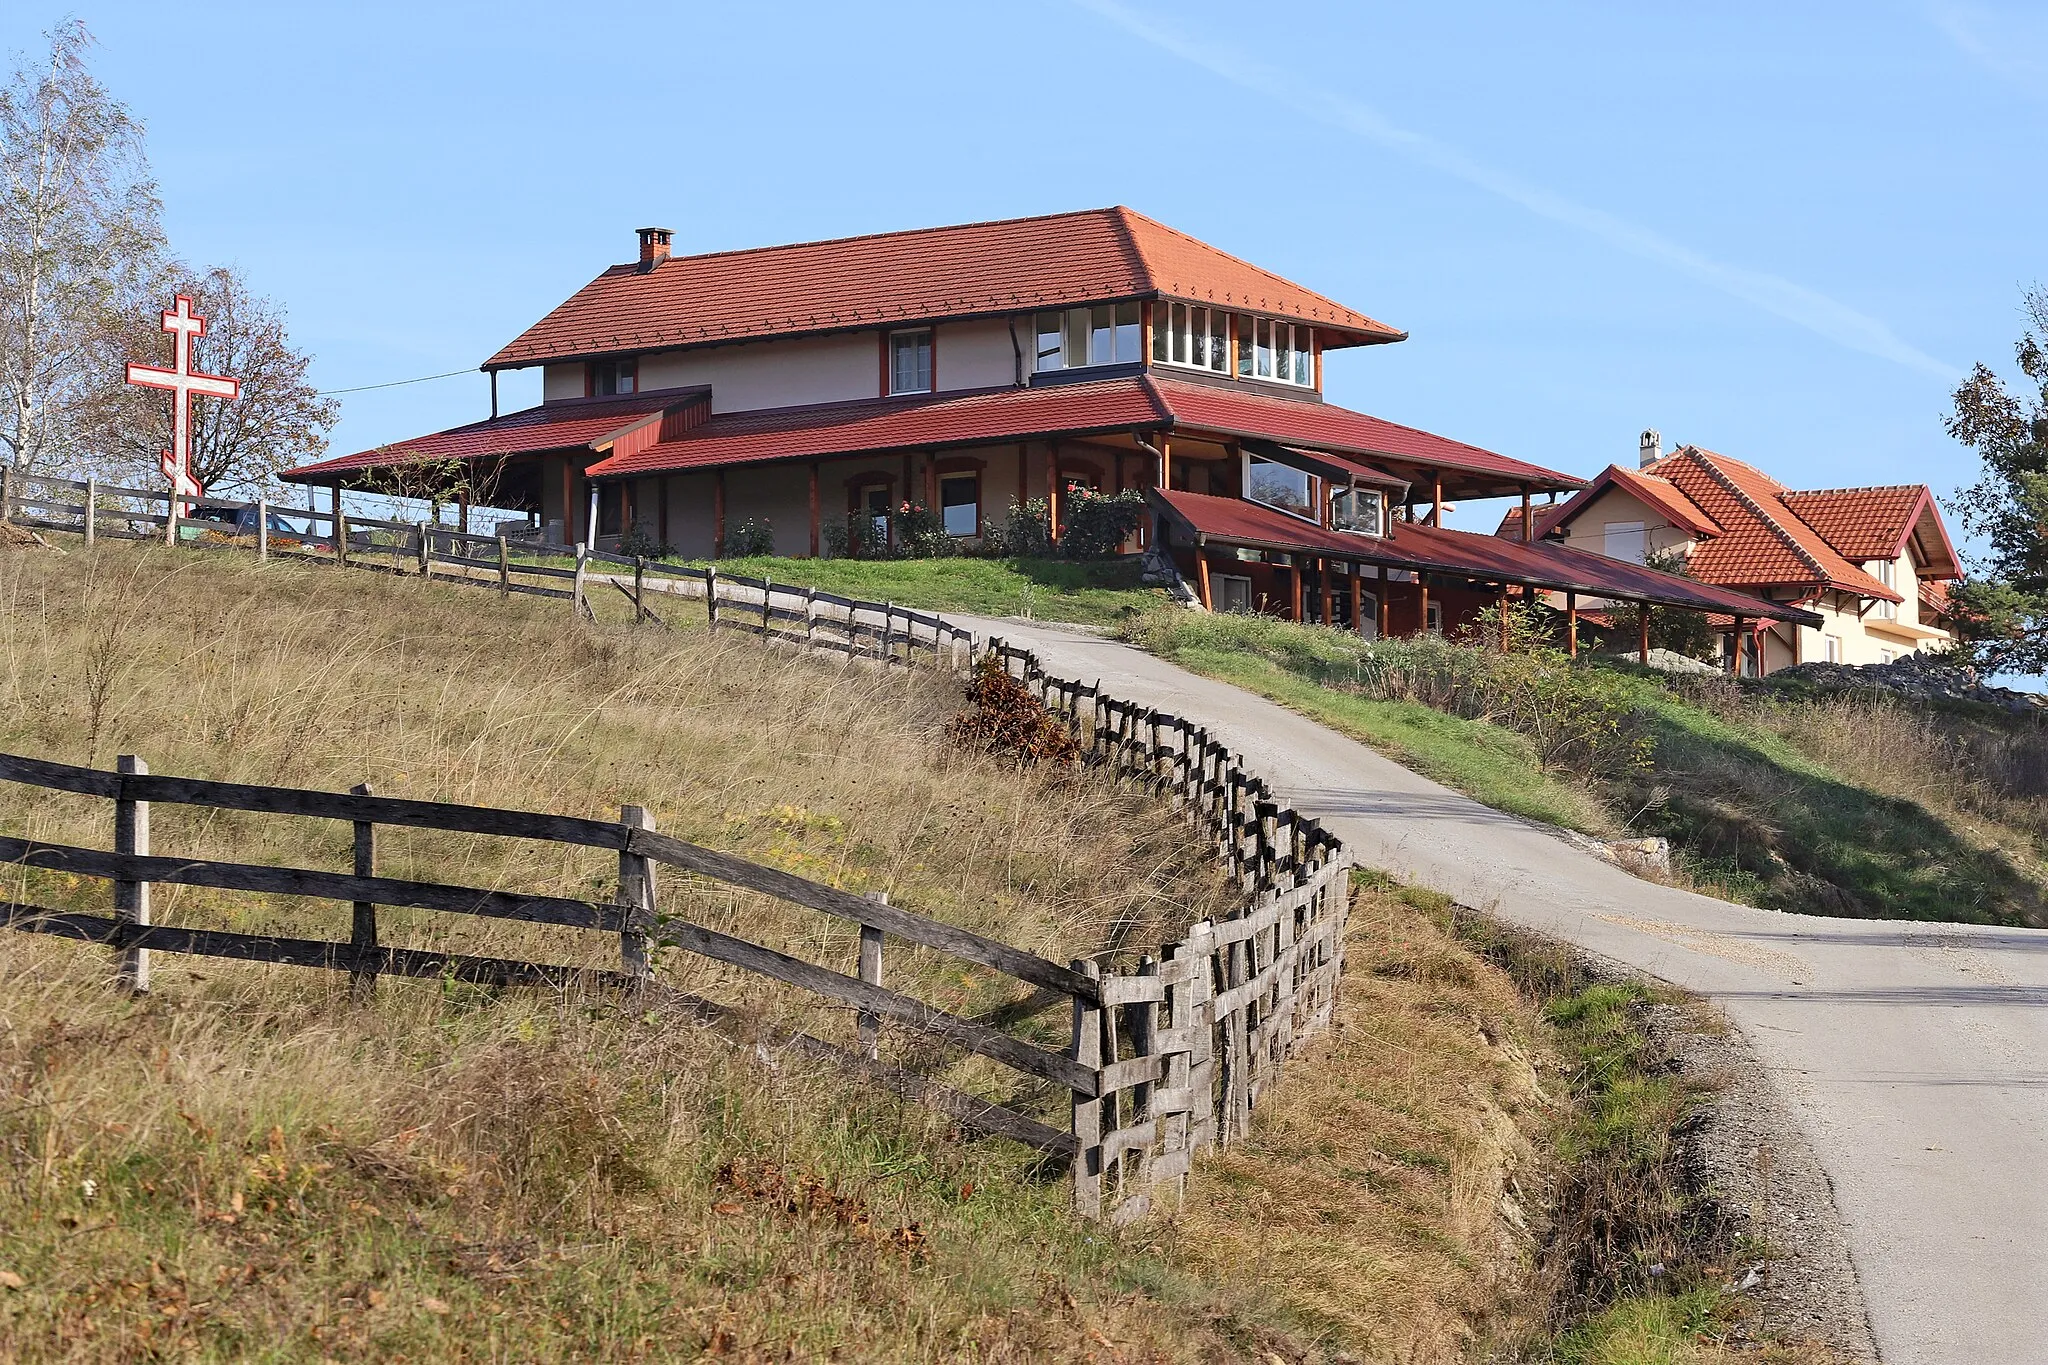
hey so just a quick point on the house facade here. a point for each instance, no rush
(1873, 564)
(820, 387)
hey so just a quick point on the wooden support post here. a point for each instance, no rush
(504, 566)
(1386, 605)
(636, 890)
(1503, 618)
(817, 515)
(1087, 1109)
(92, 511)
(131, 899)
(718, 515)
(363, 927)
(1571, 624)
(1436, 498)
(1643, 633)
(871, 972)
(1294, 577)
(262, 529)
(1323, 583)
(1528, 518)
(1422, 595)
(1202, 578)
(1734, 650)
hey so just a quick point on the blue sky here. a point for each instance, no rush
(1780, 231)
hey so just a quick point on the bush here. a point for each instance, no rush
(1098, 524)
(643, 544)
(750, 539)
(921, 534)
(1674, 628)
(1006, 719)
(1026, 532)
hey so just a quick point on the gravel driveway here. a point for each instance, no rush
(1914, 1057)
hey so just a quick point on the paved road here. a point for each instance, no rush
(1915, 1057)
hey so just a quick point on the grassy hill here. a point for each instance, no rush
(1845, 804)
(248, 1165)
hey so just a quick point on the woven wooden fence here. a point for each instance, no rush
(1165, 1059)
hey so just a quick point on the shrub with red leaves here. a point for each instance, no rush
(1004, 718)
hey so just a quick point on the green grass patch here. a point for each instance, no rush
(1092, 593)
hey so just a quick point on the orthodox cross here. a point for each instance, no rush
(183, 381)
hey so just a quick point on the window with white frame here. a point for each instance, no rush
(1191, 335)
(1280, 351)
(1278, 486)
(1887, 573)
(910, 361)
(609, 377)
(1100, 334)
(1361, 510)
(1436, 618)
(1832, 647)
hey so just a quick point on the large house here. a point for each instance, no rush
(965, 369)
(1874, 564)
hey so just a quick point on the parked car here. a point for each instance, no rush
(237, 522)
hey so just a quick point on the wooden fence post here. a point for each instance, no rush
(92, 510)
(871, 972)
(639, 589)
(1141, 1025)
(636, 890)
(6, 492)
(579, 604)
(340, 532)
(131, 899)
(1200, 944)
(425, 555)
(1087, 1050)
(1177, 966)
(767, 601)
(363, 932)
(504, 567)
(711, 595)
(262, 530)
(810, 617)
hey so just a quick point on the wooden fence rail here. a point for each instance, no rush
(1164, 1059)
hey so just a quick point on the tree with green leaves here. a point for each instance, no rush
(2002, 606)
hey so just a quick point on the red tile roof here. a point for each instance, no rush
(567, 424)
(895, 277)
(1877, 523)
(1411, 545)
(1763, 543)
(1132, 402)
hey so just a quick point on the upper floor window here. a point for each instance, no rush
(1185, 334)
(910, 361)
(1363, 510)
(1887, 571)
(1280, 351)
(1103, 334)
(1279, 486)
(608, 377)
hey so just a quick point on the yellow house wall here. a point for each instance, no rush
(1587, 531)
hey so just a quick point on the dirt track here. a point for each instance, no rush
(1913, 1057)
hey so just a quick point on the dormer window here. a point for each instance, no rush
(1283, 352)
(604, 378)
(910, 361)
(1186, 334)
(1359, 510)
(1103, 334)
(1281, 487)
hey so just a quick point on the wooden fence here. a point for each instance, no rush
(1164, 1060)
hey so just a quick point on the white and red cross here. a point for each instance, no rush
(183, 382)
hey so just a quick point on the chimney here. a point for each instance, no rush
(654, 246)
(1649, 449)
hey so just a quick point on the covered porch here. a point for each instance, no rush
(1243, 556)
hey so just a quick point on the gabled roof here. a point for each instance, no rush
(1659, 494)
(1430, 549)
(566, 424)
(968, 270)
(1126, 403)
(1877, 523)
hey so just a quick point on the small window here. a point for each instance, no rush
(1051, 354)
(1832, 645)
(610, 377)
(910, 361)
(1622, 540)
(960, 504)
(1360, 510)
(1436, 617)
(1278, 485)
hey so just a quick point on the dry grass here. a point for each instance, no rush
(1390, 1183)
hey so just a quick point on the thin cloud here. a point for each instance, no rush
(1774, 294)
(2006, 45)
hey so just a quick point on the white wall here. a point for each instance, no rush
(978, 355)
(561, 381)
(773, 374)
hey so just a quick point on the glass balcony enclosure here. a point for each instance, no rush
(1279, 486)
(1101, 334)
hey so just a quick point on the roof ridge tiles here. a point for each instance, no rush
(1735, 490)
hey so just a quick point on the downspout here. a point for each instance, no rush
(494, 395)
(1017, 347)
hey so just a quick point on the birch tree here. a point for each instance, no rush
(79, 235)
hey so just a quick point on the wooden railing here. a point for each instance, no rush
(1163, 1061)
